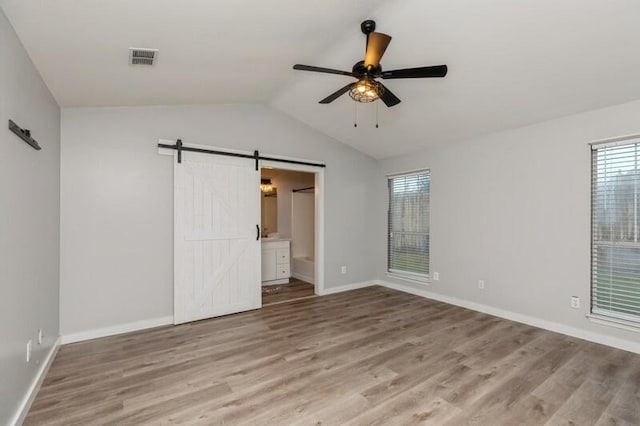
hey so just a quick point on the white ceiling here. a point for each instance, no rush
(511, 63)
(210, 51)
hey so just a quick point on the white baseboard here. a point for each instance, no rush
(306, 278)
(116, 329)
(603, 339)
(34, 387)
(347, 287)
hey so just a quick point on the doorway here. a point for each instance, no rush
(288, 199)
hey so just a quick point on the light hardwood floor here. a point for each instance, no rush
(368, 356)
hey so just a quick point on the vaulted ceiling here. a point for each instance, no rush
(511, 63)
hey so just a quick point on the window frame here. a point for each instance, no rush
(399, 274)
(597, 314)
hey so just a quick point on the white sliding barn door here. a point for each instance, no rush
(216, 252)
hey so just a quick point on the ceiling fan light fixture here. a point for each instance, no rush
(366, 90)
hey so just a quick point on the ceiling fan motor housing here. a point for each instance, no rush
(359, 70)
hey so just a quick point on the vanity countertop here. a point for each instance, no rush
(275, 240)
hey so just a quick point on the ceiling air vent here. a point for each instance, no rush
(140, 56)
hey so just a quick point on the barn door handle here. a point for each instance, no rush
(258, 232)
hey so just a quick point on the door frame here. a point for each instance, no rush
(319, 204)
(318, 172)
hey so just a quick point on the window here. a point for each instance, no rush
(408, 228)
(615, 227)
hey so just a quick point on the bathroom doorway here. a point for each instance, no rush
(289, 225)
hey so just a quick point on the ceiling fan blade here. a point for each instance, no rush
(376, 45)
(388, 97)
(420, 72)
(335, 95)
(320, 69)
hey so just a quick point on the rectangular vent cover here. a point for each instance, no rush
(140, 56)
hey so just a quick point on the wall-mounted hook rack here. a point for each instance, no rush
(24, 134)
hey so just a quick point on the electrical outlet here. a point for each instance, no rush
(343, 269)
(575, 302)
(40, 336)
(481, 284)
(436, 276)
(29, 351)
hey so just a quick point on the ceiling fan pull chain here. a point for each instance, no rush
(377, 114)
(355, 114)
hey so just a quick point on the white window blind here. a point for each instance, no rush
(408, 227)
(615, 226)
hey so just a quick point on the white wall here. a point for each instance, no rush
(302, 224)
(513, 209)
(117, 207)
(29, 221)
(286, 181)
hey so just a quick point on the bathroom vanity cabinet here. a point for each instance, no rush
(276, 261)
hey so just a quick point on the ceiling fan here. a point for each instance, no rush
(367, 88)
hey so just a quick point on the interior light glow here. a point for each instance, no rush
(365, 90)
